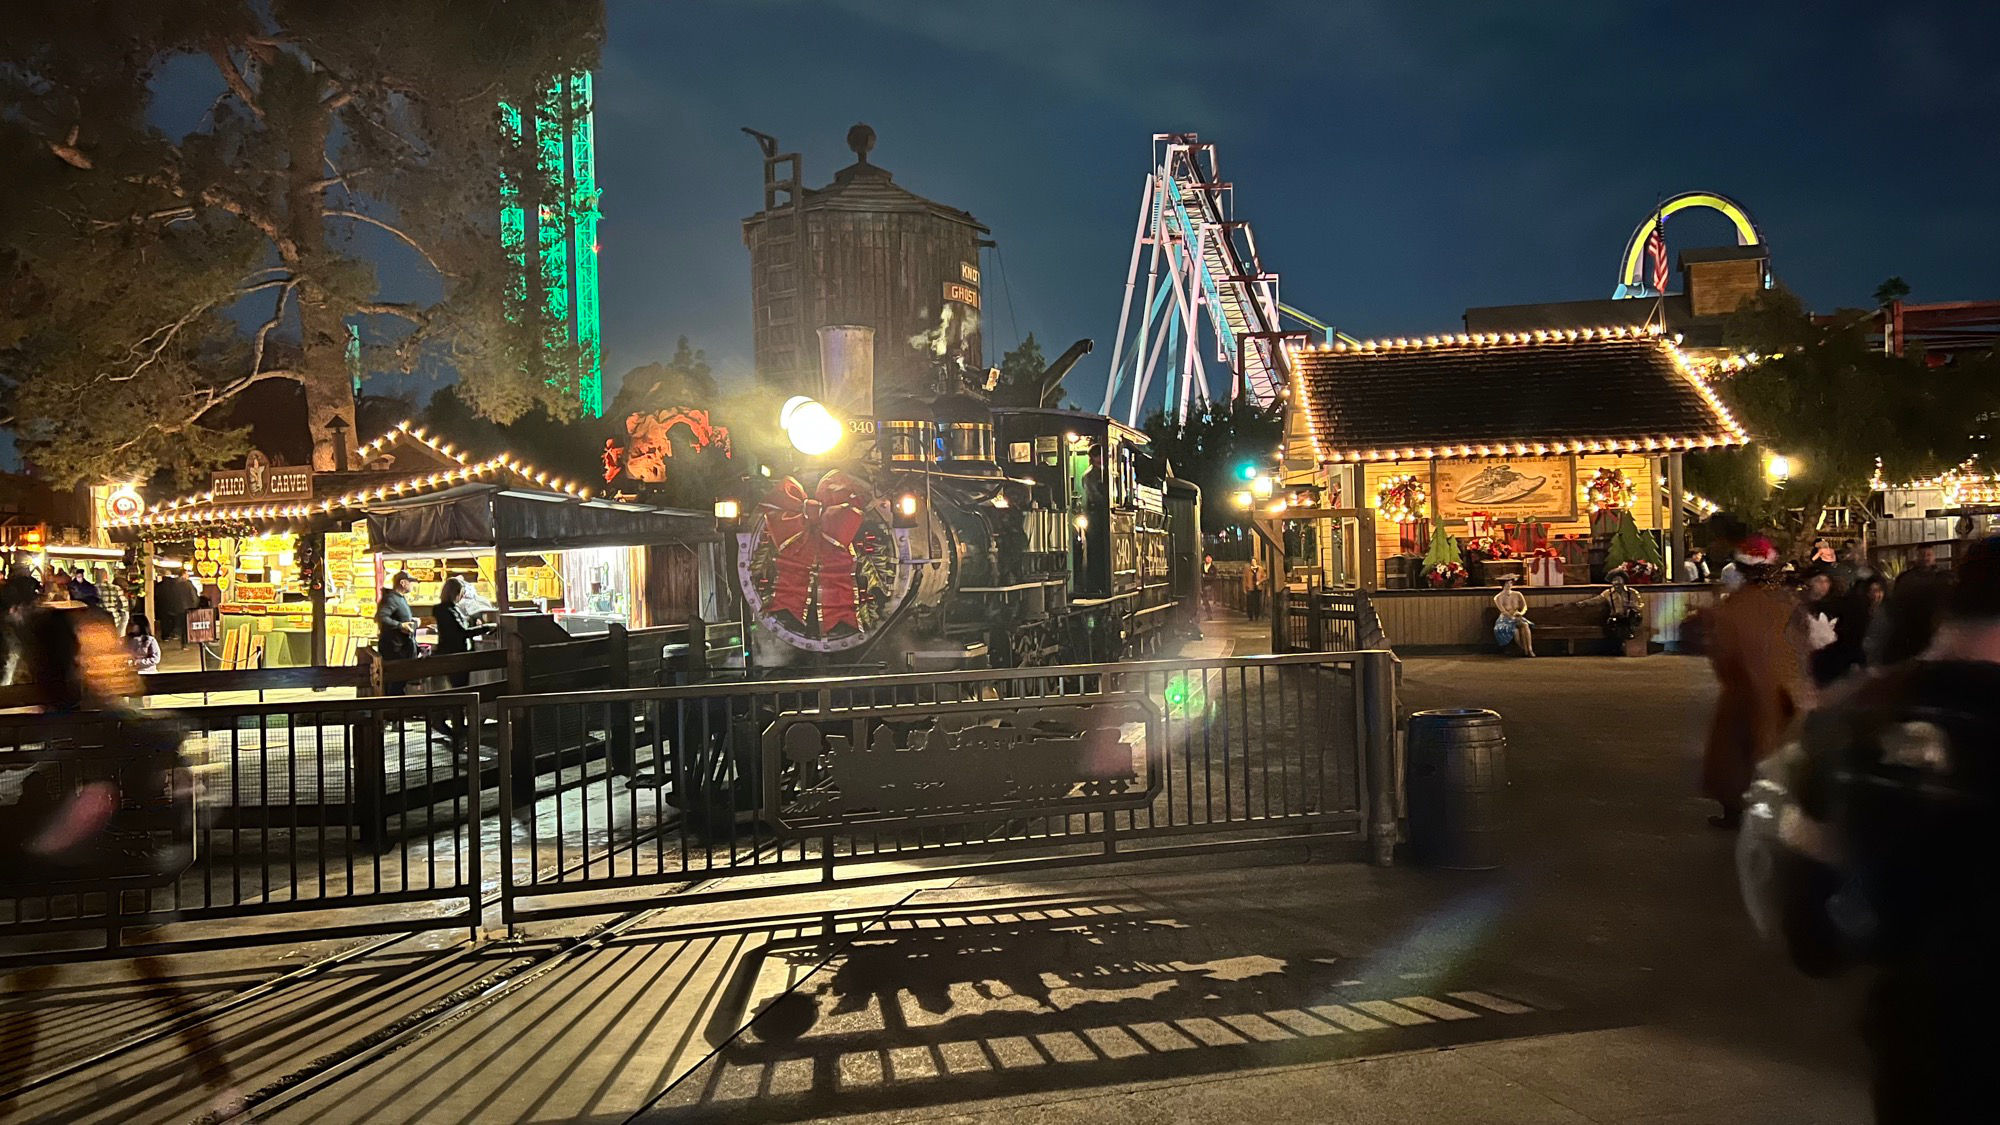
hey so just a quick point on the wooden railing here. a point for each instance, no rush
(1326, 620)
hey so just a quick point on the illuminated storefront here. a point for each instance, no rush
(298, 558)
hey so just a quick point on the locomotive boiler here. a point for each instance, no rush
(923, 531)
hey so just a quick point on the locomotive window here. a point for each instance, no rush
(1048, 449)
(1019, 451)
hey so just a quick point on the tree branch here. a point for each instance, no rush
(68, 153)
(399, 233)
(162, 337)
(264, 330)
(234, 79)
(408, 312)
(208, 398)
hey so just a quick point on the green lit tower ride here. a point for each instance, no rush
(556, 212)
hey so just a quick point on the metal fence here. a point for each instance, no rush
(622, 798)
(272, 820)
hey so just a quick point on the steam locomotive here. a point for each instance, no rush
(931, 530)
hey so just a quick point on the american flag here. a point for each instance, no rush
(1656, 252)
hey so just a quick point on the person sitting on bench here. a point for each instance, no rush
(1513, 626)
(1624, 609)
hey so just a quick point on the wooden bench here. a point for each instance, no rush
(1566, 624)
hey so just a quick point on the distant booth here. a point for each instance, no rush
(291, 562)
(1422, 471)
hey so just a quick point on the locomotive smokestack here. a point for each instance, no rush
(847, 369)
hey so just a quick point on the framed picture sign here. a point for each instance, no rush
(1508, 488)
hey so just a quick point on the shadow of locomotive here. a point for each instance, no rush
(960, 1002)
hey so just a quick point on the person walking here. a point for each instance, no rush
(1694, 568)
(1253, 590)
(116, 603)
(1914, 607)
(18, 595)
(1756, 646)
(1854, 615)
(173, 597)
(1512, 627)
(395, 625)
(1884, 853)
(1208, 581)
(73, 823)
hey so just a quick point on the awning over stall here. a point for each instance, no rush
(483, 515)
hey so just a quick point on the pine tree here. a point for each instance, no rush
(149, 276)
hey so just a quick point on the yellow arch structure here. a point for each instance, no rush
(1629, 281)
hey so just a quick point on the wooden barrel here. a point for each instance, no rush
(1396, 572)
(1457, 780)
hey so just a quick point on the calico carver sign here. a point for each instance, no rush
(1515, 488)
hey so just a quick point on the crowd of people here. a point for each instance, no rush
(113, 590)
(1852, 746)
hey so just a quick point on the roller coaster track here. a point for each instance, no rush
(1203, 271)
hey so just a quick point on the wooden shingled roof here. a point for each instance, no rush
(1615, 390)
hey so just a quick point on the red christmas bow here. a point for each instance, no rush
(814, 536)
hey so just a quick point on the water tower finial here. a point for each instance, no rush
(861, 139)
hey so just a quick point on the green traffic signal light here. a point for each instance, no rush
(1247, 470)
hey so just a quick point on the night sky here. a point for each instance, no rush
(1398, 162)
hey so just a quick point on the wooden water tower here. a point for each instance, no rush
(863, 250)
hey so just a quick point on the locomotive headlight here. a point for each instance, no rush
(1082, 522)
(812, 428)
(907, 505)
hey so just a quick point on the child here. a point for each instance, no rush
(140, 644)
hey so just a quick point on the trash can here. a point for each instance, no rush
(1456, 780)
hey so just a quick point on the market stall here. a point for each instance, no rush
(1443, 464)
(294, 560)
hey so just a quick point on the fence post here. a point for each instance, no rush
(371, 668)
(697, 652)
(505, 878)
(618, 675)
(1378, 724)
(371, 781)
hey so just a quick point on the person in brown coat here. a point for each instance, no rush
(1757, 648)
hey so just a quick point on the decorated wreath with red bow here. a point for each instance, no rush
(821, 565)
(1609, 491)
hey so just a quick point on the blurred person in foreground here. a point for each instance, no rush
(1874, 841)
(1757, 647)
(118, 806)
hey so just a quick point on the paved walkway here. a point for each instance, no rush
(1606, 974)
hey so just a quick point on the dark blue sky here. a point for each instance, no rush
(1397, 161)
